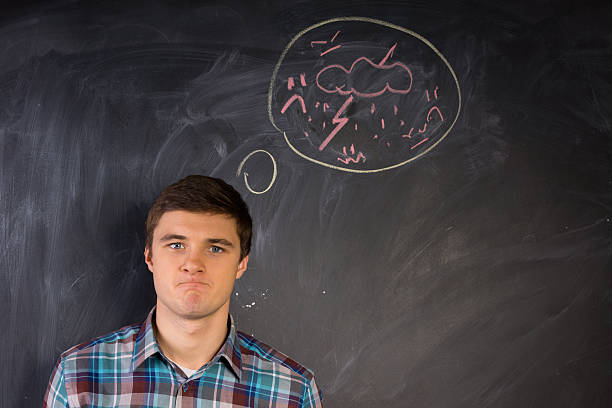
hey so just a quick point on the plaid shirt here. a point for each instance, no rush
(127, 369)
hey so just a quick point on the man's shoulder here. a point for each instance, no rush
(111, 345)
(257, 356)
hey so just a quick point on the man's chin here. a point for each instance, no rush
(192, 312)
(194, 316)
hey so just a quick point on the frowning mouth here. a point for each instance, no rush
(192, 284)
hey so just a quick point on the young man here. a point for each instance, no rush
(187, 353)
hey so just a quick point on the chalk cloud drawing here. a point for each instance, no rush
(362, 95)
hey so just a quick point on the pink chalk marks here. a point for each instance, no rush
(419, 143)
(435, 92)
(291, 81)
(434, 109)
(338, 121)
(366, 78)
(338, 97)
(349, 157)
(327, 51)
(294, 98)
(429, 118)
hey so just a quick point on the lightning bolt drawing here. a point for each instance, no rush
(389, 55)
(338, 121)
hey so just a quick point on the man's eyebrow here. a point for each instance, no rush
(177, 237)
(172, 237)
(221, 241)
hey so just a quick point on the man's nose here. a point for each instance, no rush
(193, 262)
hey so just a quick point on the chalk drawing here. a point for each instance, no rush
(246, 175)
(348, 157)
(368, 91)
(401, 68)
(338, 121)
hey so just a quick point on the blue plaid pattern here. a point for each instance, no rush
(126, 368)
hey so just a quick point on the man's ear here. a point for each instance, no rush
(242, 266)
(148, 258)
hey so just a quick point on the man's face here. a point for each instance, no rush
(195, 259)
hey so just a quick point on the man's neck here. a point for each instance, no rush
(190, 343)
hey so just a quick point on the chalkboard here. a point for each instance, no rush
(430, 182)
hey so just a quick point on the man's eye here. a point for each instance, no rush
(215, 249)
(176, 245)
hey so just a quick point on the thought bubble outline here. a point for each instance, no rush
(246, 175)
(373, 21)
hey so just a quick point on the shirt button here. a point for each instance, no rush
(185, 387)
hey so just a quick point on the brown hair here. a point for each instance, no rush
(206, 195)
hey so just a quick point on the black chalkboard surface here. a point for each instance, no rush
(431, 184)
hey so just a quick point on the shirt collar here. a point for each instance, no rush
(230, 350)
(146, 346)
